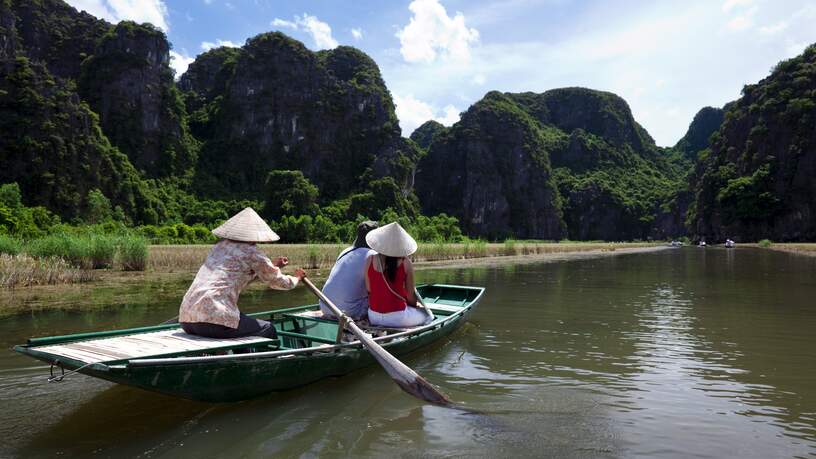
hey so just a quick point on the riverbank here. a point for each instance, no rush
(807, 249)
(178, 264)
(188, 258)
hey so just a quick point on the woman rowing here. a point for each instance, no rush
(390, 279)
(210, 306)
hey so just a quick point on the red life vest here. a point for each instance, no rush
(381, 299)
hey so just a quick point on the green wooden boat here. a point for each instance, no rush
(165, 359)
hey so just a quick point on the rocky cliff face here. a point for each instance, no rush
(57, 35)
(706, 122)
(756, 180)
(53, 148)
(327, 114)
(128, 82)
(611, 182)
(492, 171)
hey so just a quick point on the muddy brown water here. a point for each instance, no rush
(680, 353)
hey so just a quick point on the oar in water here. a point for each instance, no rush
(405, 377)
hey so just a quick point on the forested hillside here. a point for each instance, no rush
(95, 127)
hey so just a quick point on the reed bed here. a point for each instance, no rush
(66, 258)
(26, 271)
(182, 258)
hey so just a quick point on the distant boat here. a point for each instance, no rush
(676, 244)
(729, 244)
(701, 244)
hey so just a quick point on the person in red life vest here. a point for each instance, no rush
(392, 300)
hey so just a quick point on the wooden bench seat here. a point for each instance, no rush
(142, 345)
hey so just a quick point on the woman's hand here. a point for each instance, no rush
(300, 273)
(280, 262)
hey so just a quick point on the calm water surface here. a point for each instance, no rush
(680, 353)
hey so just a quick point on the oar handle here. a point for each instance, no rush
(422, 303)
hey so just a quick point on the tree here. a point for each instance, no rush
(99, 207)
(10, 196)
(289, 193)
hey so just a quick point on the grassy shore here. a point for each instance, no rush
(185, 258)
(94, 259)
(799, 248)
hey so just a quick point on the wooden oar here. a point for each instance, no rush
(422, 304)
(405, 377)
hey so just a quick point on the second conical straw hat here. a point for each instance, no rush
(391, 240)
(246, 226)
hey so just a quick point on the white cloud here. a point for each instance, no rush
(413, 112)
(743, 21)
(357, 34)
(208, 45)
(208, 2)
(320, 31)
(731, 4)
(431, 32)
(652, 58)
(277, 22)
(152, 11)
(479, 80)
(179, 62)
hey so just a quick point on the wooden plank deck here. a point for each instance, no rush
(142, 345)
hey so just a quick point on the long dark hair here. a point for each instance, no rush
(390, 268)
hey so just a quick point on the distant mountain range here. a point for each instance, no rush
(88, 105)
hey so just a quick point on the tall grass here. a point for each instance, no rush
(9, 245)
(92, 251)
(76, 250)
(24, 271)
(102, 250)
(132, 253)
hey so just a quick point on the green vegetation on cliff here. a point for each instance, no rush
(570, 157)
(756, 179)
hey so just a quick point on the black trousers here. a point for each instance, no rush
(246, 327)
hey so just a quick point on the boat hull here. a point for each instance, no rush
(231, 380)
(234, 377)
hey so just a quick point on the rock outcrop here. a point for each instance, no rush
(53, 148)
(425, 134)
(327, 114)
(756, 180)
(707, 121)
(491, 170)
(129, 83)
(610, 180)
(54, 33)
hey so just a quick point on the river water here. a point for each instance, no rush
(679, 353)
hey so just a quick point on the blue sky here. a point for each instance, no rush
(666, 58)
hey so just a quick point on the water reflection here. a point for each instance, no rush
(692, 352)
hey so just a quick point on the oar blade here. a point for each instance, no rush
(402, 374)
(406, 378)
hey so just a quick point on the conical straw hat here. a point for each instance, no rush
(246, 226)
(391, 240)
